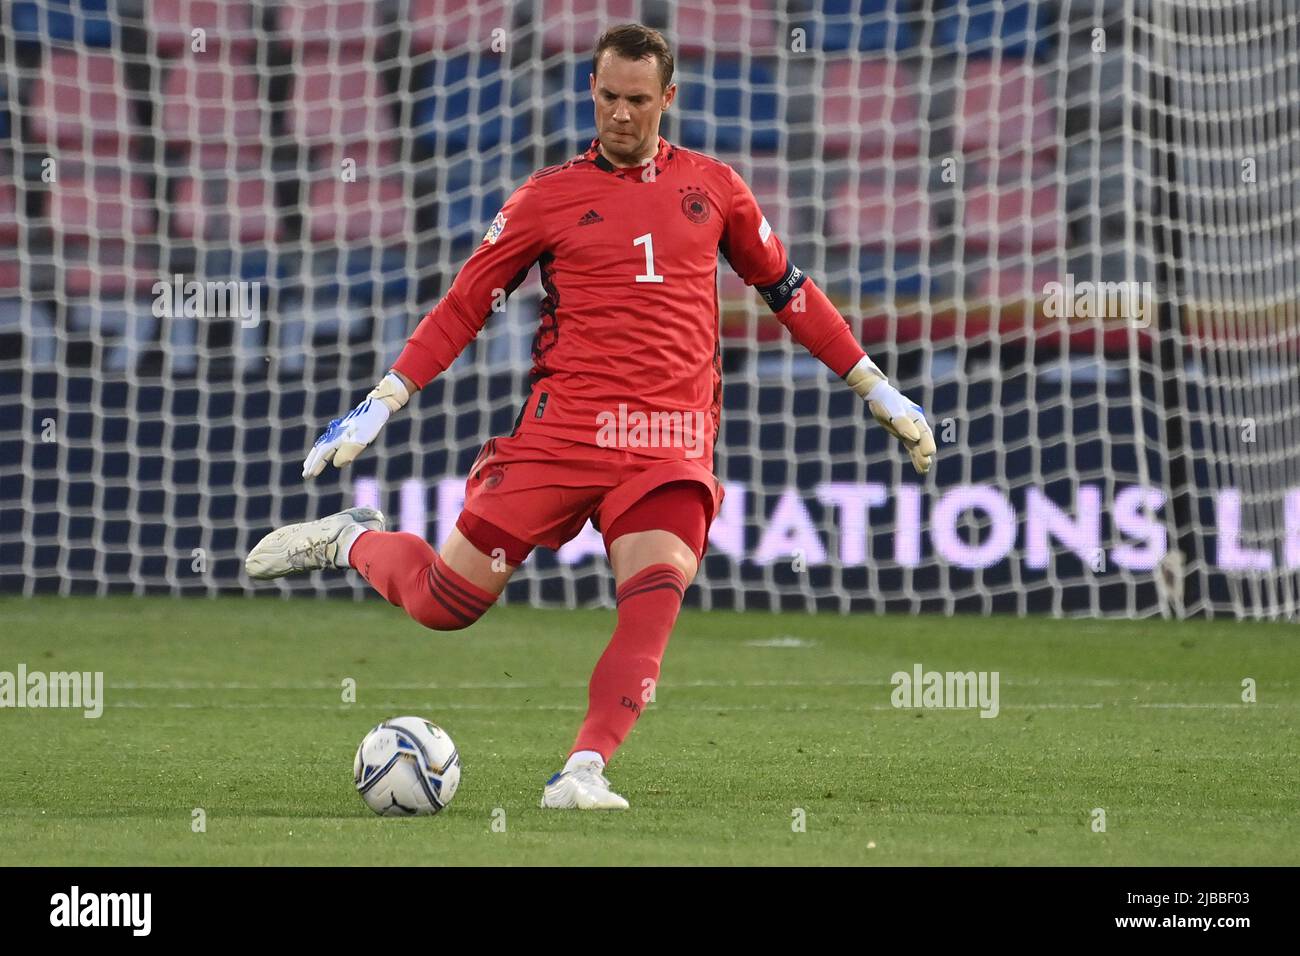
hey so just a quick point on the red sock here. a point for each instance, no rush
(404, 569)
(624, 678)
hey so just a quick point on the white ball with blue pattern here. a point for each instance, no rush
(407, 767)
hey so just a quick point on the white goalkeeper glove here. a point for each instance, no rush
(344, 438)
(899, 415)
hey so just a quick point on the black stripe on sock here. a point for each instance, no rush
(646, 576)
(470, 601)
(435, 591)
(676, 588)
(655, 578)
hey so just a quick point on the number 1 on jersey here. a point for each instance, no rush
(649, 243)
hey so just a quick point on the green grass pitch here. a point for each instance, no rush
(235, 707)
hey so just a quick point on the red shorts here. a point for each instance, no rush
(542, 490)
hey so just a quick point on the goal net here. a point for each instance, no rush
(1216, 111)
(1066, 228)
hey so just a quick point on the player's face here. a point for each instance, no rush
(629, 103)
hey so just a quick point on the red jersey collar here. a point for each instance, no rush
(661, 158)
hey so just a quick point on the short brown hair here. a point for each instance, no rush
(632, 41)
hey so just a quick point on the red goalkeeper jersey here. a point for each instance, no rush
(629, 322)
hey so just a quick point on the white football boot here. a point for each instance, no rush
(310, 546)
(582, 788)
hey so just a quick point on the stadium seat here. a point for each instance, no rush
(880, 213)
(728, 26)
(33, 319)
(572, 115)
(234, 209)
(108, 270)
(320, 25)
(102, 218)
(1011, 28)
(340, 109)
(456, 24)
(1012, 217)
(79, 103)
(727, 109)
(890, 274)
(84, 22)
(343, 292)
(575, 25)
(6, 124)
(123, 329)
(372, 209)
(395, 328)
(102, 204)
(374, 275)
(868, 109)
(11, 272)
(1021, 281)
(883, 26)
(300, 327)
(453, 112)
(211, 102)
(1004, 113)
(471, 193)
(249, 261)
(8, 211)
(226, 23)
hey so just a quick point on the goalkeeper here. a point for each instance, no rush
(626, 237)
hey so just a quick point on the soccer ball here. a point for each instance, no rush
(406, 767)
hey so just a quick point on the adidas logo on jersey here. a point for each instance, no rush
(590, 217)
